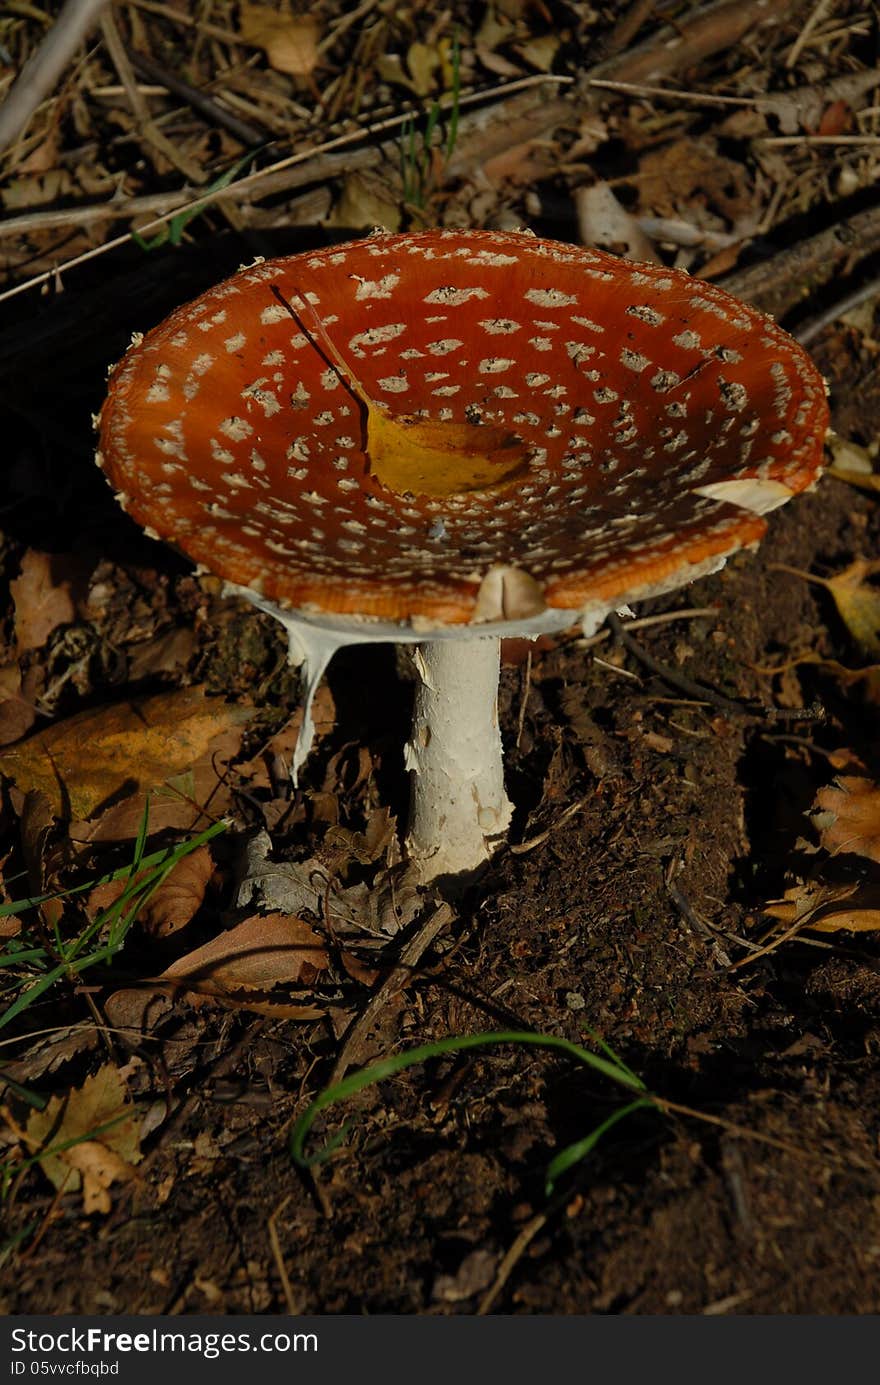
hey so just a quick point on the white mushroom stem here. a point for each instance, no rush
(458, 808)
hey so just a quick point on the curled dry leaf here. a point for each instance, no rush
(173, 905)
(848, 817)
(827, 909)
(98, 1125)
(262, 952)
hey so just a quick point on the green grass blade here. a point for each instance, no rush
(458, 1043)
(20, 906)
(574, 1153)
(452, 135)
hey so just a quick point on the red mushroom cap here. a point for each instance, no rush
(369, 429)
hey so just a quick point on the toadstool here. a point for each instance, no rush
(443, 438)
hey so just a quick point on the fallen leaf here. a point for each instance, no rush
(261, 952)
(98, 1124)
(364, 202)
(604, 221)
(848, 816)
(836, 118)
(688, 173)
(863, 480)
(821, 908)
(43, 598)
(423, 62)
(857, 602)
(289, 41)
(173, 905)
(539, 53)
(853, 920)
(17, 714)
(109, 754)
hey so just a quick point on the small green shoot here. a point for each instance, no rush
(172, 234)
(609, 1066)
(417, 153)
(35, 965)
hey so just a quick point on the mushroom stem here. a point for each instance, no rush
(458, 810)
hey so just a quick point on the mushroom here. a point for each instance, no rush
(445, 438)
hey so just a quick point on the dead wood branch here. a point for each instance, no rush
(43, 70)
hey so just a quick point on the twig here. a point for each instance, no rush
(266, 180)
(797, 47)
(714, 28)
(410, 956)
(524, 698)
(628, 25)
(811, 329)
(520, 848)
(676, 680)
(293, 1307)
(161, 143)
(517, 1250)
(43, 69)
(781, 284)
(817, 139)
(212, 110)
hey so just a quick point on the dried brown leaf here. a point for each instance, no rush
(43, 599)
(849, 817)
(99, 1119)
(691, 173)
(261, 952)
(857, 602)
(173, 905)
(290, 42)
(423, 60)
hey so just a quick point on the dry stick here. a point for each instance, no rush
(715, 28)
(781, 283)
(266, 181)
(293, 1308)
(43, 69)
(517, 1250)
(161, 143)
(212, 110)
(410, 956)
(797, 47)
(676, 680)
(628, 25)
(815, 325)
